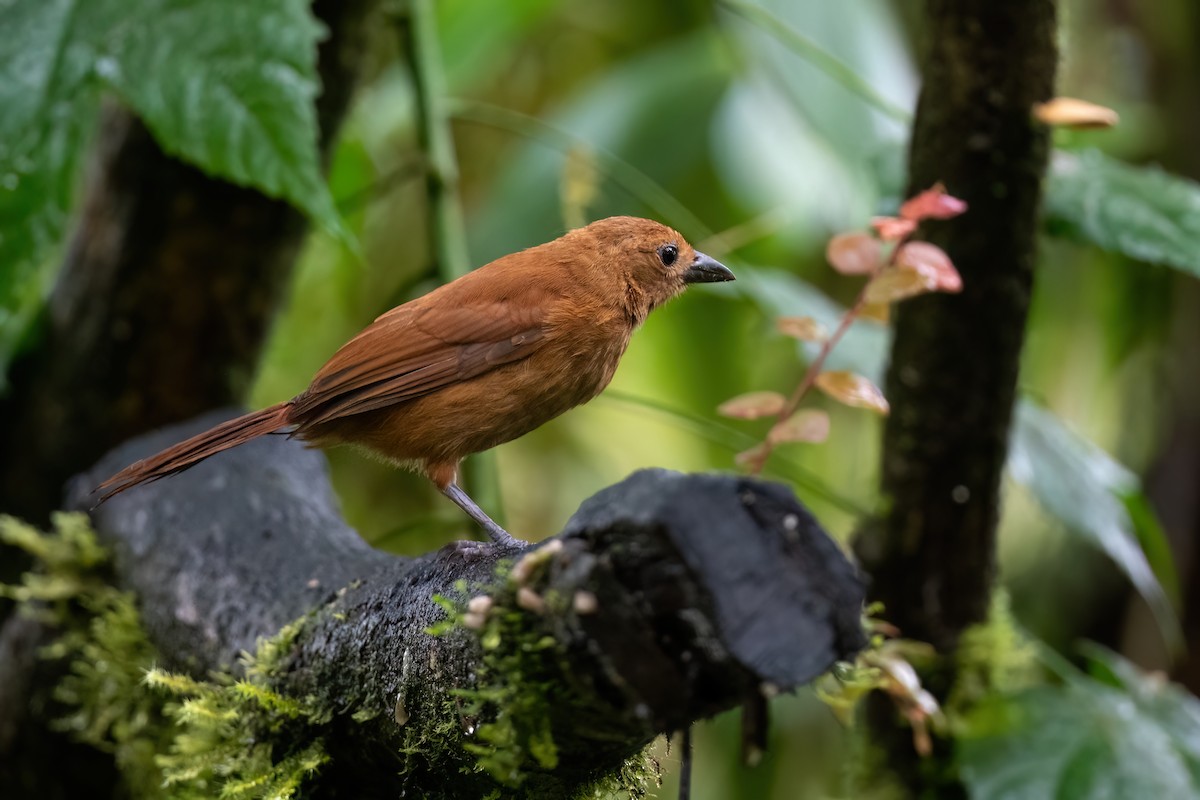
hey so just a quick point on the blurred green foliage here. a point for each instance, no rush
(1116, 733)
(758, 135)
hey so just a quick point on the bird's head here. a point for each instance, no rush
(647, 262)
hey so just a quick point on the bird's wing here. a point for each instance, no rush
(414, 351)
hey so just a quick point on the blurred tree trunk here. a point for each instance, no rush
(953, 371)
(163, 301)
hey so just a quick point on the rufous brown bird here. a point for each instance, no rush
(477, 362)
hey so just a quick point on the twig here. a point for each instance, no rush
(685, 764)
(757, 460)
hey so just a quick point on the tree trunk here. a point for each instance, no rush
(953, 370)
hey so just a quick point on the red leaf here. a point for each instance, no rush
(931, 262)
(853, 390)
(893, 229)
(854, 253)
(875, 312)
(933, 203)
(898, 284)
(752, 405)
(752, 457)
(806, 425)
(806, 329)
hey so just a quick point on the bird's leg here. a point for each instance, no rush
(463, 501)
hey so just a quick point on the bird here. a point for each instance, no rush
(476, 362)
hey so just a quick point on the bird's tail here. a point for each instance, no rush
(192, 451)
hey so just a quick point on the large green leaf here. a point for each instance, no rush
(1085, 740)
(1142, 212)
(1098, 499)
(35, 196)
(229, 86)
(225, 84)
(1176, 710)
(48, 109)
(1092, 494)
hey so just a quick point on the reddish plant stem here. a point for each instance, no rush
(757, 462)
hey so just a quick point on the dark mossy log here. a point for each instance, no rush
(667, 598)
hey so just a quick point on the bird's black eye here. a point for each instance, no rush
(667, 254)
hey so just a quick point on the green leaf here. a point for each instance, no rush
(36, 190)
(1085, 740)
(1142, 212)
(49, 108)
(229, 86)
(224, 84)
(1176, 710)
(1093, 495)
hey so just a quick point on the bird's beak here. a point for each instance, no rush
(706, 270)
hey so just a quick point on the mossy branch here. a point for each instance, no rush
(666, 599)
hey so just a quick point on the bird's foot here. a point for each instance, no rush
(501, 537)
(498, 535)
(468, 550)
(471, 550)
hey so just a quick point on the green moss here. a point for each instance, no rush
(172, 736)
(865, 774)
(516, 688)
(994, 656)
(107, 705)
(524, 683)
(632, 780)
(71, 560)
(176, 736)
